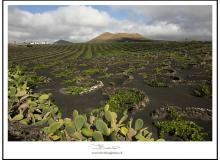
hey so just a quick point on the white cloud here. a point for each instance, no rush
(81, 23)
(66, 22)
(18, 34)
(191, 21)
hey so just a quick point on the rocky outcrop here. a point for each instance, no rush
(19, 132)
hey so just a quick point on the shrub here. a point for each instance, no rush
(91, 71)
(82, 65)
(201, 91)
(187, 130)
(124, 99)
(156, 82)
(75, 90)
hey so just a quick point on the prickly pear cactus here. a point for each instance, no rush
(108, 116)
(87, 132)
(102, 127)
(138, 124)
(97, 136)
(53, 127)
(75, 114)
(79, 122)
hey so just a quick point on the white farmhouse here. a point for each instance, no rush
(44, 42)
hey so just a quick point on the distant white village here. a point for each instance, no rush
(31, 43)
(44, 42)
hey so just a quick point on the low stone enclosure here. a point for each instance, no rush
(93, 88)
(188, 82)
(84, 90)
(141, 105)
(187, 112)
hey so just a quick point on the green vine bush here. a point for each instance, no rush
(124, 99)
(202, 91)
(176, 125)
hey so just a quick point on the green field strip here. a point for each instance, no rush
(96, 50)
(88, 52)
(45, 54)
(32, 50)
(61, 55)
(17, 52)
(41, 53)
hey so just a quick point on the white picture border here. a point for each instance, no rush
(137, 150)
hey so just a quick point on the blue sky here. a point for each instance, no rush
(37, 8)
(118, 14)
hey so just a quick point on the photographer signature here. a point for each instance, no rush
(102, 146)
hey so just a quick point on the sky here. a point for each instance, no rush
(82, 23)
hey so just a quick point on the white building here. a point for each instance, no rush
(43, 42)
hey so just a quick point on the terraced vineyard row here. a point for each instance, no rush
(87, 51)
